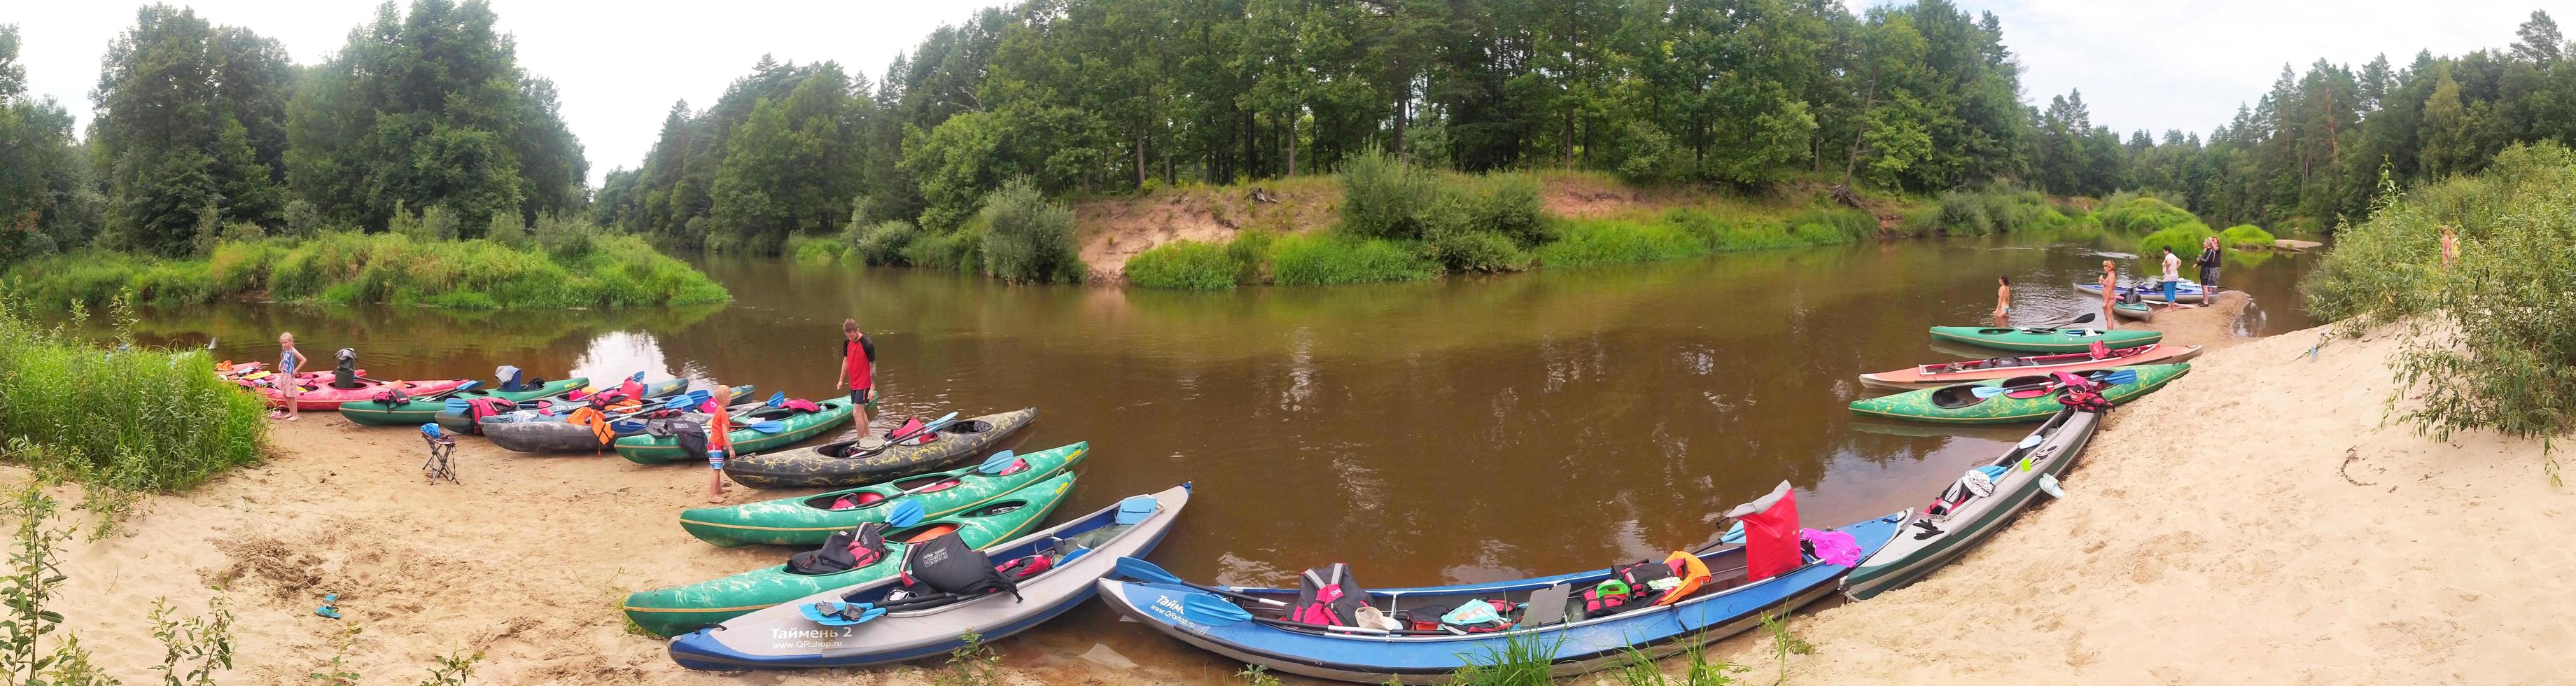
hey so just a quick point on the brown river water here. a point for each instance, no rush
(1465, 430)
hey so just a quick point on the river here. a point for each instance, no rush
(1463, 430)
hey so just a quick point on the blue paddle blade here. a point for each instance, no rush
(2030, 441)
(469, 385)
(1208, 609)
(1141, 570)
(2121, 377)
(768, 427)
(637, 378)
(998, 462)
(777, 399)
(906, 512)
(943, 420)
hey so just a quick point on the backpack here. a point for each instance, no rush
(392, 398)
(1328, 597)
(947, 565)
(842, 551)
(690, 436)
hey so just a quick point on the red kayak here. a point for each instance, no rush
(319, 395)
(1934, 375)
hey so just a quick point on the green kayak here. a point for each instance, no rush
(793, 426)
(417, 412)
(2045, 340)
(807, 520)
(1959, 404)
(678, 610)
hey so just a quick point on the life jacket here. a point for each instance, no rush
(1609, 597)
(392, 398)
(598, 423)
(1025, 567)
(2100, 351)
(912, 433)
(1693, 573)
(947, 565)
(842, 551)
(801, 405)
(1328, 597)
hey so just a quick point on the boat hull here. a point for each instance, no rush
(1907, 559)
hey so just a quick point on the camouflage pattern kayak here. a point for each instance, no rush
(2037, 400)
(849, 463)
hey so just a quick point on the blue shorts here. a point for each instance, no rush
(2169, 291)
(715, 459)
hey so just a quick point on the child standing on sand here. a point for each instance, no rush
(288, 359)
(719, 439)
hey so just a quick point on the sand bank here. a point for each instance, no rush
(2255, 522)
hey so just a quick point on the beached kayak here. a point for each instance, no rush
(807, 520)
(791, 425)
(2044, 340)
(457, 420)
(847, 463)
(1078, 554)
(2130, 310)
(530, 431)
(319, 395)
(2184, 291)
(1964, 371)
(2037, 399)
(1549, 615)
(372, 412)
(676, 610)
(1961, 517)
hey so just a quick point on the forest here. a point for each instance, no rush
(425, 113)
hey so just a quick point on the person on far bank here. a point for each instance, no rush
(2209, 257)
(2003, 300)
(2450, 246)
(2110, 290)
(719, 439)
(288, 360)
(858, 372)
(2172, 277)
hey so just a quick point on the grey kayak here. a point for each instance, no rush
(845, 463)
(529, 431)
(1961, 518)
(783, 637)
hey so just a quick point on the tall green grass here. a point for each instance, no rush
(565, 267)
(2184, 238)
(1997, 210)
(130, 418)
(1187, 265)
(2246, 236)
(2495, 342)
(2141, 214)
(1330, 258)
(1525, 660)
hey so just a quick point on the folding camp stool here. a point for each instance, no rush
(442, 448)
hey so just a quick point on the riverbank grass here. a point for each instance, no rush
(562, 267)
(130, 418)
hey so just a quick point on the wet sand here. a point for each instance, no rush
(2282, 535)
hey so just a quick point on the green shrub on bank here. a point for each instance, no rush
(1189, 265)
(2501, 351)
(2246, 236)
(1027, 238)
(2185, 240)
(1599, 241)
(1465, 222)
(817, 250)
(2141, 214)
(1997, 210)
(883, 243)
(1846, 225)
(571, 268)
(134, 418)
(1326, 258)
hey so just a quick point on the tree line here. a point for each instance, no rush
(2311, 151)
(204, 131)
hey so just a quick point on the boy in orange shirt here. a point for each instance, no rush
(719, 439)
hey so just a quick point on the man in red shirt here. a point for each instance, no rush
(858, 372)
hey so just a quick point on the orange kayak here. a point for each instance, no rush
(1931, 375)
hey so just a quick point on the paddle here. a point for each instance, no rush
(998, 462)
(460, 388)
(1141, 570)
(678, 402)
(893, 440)
(2114, 378)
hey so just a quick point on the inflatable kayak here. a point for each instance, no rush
(372, 412)
(530, 431)
(456, 419)
(675, 610)
(807, 520)
(2036, 399)
(2185, 291)
(322, 396)
(790, 426)
(847, 463)
(2044, 340)
(1078, 553)
(1960, 517)
(2129, 310)
(1946, 373)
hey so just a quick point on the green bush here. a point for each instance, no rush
(136, 418)
(1250, 251)
(2185, 240)
(1996, 210)
(1323, 259)
(2246, 235)
(1383, 197)
(1027, 238)
(351, 268)
(2502, 352)
(1191, 265)
(817, 250)
(1844, 225)
(883, 243)
(960, 250)
(2142, 214)
(1475, 251)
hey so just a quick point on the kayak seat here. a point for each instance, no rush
(1954, 397)
(1547, 605)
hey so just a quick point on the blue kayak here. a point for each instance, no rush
(1576, 644)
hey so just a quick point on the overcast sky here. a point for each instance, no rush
(2152, 64)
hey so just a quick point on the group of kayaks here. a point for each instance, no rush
(2119, 365)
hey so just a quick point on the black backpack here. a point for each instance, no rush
(842, 551)
(690, 436)
(947, 565)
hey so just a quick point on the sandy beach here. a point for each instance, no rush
(2255, 522)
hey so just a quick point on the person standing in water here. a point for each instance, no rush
(2450, 246)
(2209, 257)
(719, 439)
(2003, 300)
(2172, 277)
(288, 360)
(858, 372)
(2110, 289)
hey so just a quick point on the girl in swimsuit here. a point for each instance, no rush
(287, 387)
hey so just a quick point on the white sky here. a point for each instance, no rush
(2153, 64)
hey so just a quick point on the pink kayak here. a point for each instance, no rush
(319, 395)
